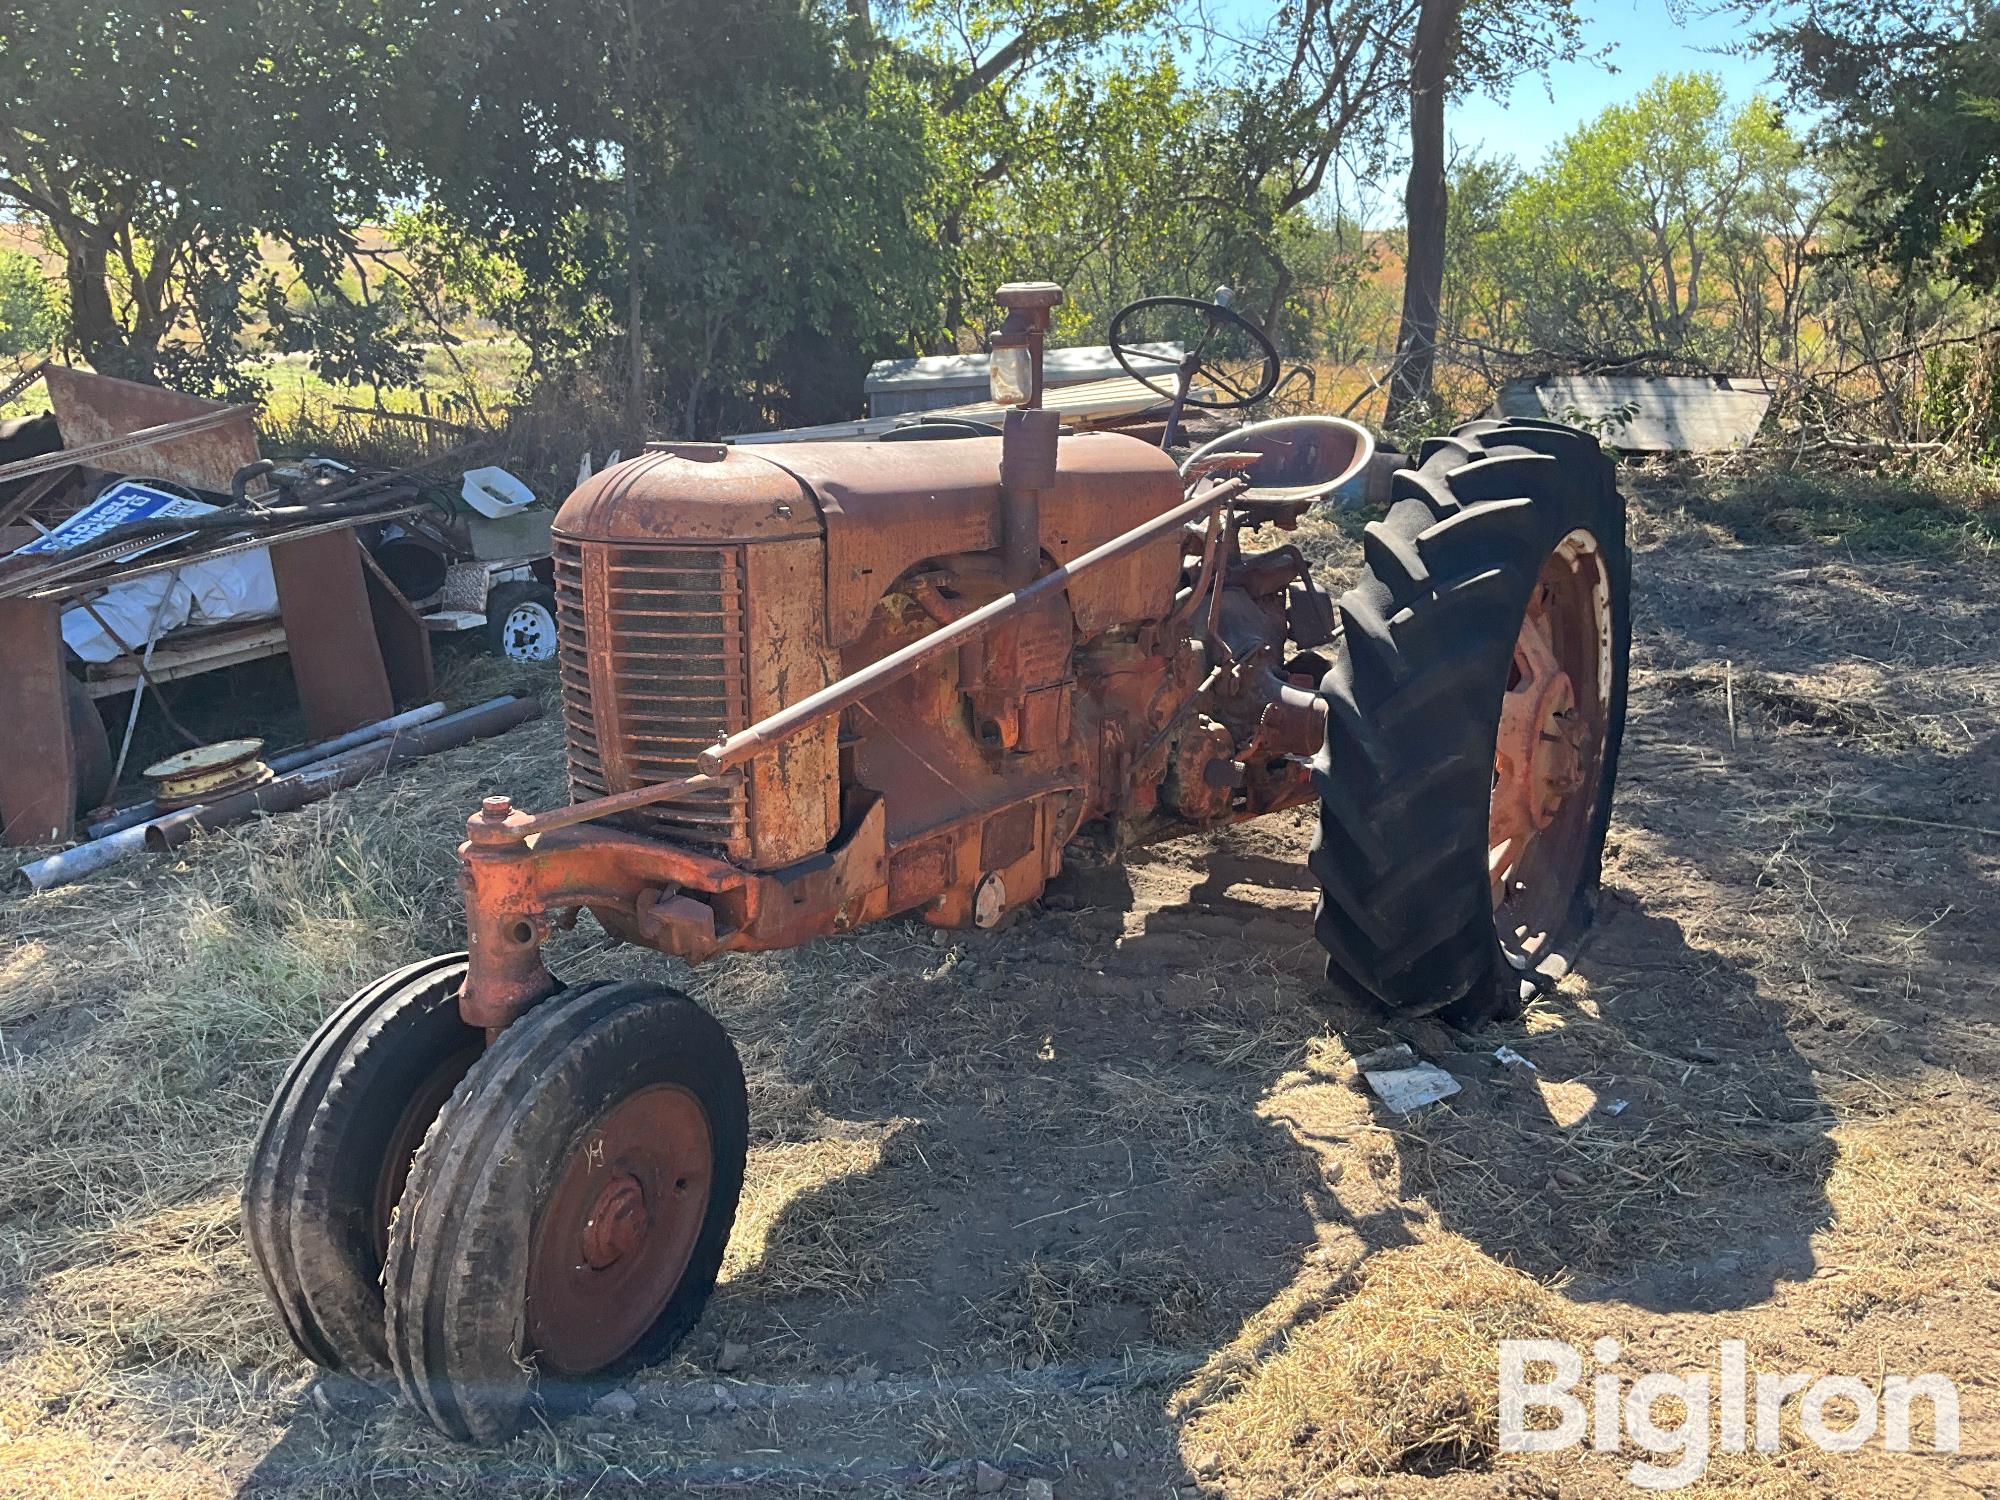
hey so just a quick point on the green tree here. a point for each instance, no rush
(1642, 225)
(29, 316)
(733, 243)
(160, 145)
(1909, 95)
(1336, 87)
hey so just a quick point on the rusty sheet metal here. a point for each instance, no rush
(794, 793)
(651, 649)
(330, 633)
(93, 409)
(688, 494)
(889, 506)
(400, 634)
(37, 767)
(1647, 413)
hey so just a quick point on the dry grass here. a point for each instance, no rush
(1397, 1374)
(1046, 1305)
(1097, 1199)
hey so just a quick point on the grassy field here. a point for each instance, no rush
(1096, 1200)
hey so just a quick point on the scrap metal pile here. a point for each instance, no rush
(144, 539)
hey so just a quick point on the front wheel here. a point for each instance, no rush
(566, 1218)
(336, 1143)
(1474, 715)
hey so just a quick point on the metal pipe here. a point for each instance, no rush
(305, 755)
(897, 665)
(319, 779)
(326, 777)
(84, 859)
(292, 760)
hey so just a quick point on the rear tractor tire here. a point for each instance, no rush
(567, 1215)
(329, 1163)
(1474, 714)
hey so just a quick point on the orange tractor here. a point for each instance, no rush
(816, 685)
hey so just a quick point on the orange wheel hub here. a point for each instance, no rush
(616, 1233)
(1548, 755)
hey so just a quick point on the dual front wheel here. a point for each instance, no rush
(490, 1226)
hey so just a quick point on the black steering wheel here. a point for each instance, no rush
(1221, 350)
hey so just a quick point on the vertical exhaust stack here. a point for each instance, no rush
(1028, 436)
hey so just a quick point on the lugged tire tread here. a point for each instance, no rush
(1413, 705)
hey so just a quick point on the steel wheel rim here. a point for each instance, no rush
(411, 1127)
(529, 634)
(1549, 754)
(617, 1232)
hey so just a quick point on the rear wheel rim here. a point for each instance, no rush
(1548, 765)
(618, 1230)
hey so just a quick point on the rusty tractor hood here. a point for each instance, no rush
(884, 507)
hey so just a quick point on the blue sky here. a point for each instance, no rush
(1639, 40)
(1646, 40)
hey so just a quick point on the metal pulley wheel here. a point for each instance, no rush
(197, 776)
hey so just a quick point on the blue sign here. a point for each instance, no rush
(123, 502)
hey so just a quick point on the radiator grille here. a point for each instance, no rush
(661, 681)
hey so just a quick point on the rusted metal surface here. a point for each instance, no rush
(1292, 458)
(330, 633)
(99, 417)
(806, 691)
(1548, 757)
(688, 494)
(732, 750)
(794, 793)
(889, 506)
(37, 765)
(860, 684)
(651, 646)
(615, 1234)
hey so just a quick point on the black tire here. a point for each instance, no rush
(464, 1245)
(89, 745)
(521, 622)
(335, 1146)
(1406, 912)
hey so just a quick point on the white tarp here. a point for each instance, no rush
(237, 587)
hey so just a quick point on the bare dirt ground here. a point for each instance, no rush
(1096, 1200)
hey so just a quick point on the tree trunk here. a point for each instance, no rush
(635, 257)
(1424, 211)
(635, 333)
(100, 338)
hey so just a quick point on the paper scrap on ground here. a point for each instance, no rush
(1402, 1080)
